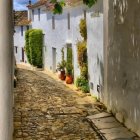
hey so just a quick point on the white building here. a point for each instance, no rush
(63, 31)
(21, 25)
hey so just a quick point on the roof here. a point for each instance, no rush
(37, 4)
(50, 6)
(21, 18)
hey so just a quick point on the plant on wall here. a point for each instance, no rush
(34, 45)
(61, 66)
(59, 4)
(69, 66)
(82, 81)
(83, 29)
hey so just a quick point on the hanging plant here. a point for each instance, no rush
(83, 28)
(59, 4)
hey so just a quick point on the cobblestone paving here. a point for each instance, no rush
(47, 110)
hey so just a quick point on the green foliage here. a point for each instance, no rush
(34, 45)
(69, 55)
(27, 45)
(61, 66)
(84, 70)
(89, 3)
(82, 52)
(82, 83)
(69, 65)
(59, 4)
(69, 69)
(83, 28)
(85, 88)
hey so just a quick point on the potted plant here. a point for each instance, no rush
(69, 77)
(61, 68)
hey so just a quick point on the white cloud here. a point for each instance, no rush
(21, 4)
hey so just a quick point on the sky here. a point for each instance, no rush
(21, 4)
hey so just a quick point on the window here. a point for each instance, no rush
(39, 14)
(85, 14)
(16, 49)
(32, 15)
(69, 21)
(53, 22)
(21, 30)
(27, 27)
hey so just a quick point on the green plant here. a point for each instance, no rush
(89, 3)
(82, 52)
(85, 88)
(83, 84)
(83, 28)
(61, 66)
(27, 45)
(59, 4)
(69, 69)
(34, 45)
(69, 55)
(84, 70)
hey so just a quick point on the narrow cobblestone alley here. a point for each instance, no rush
(45, 109)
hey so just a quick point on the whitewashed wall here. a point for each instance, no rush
(59, 36)
(95, 47)
(19, 41)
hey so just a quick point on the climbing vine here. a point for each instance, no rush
(59, 4)
(82, 81)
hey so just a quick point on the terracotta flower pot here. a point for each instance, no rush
(69, 79)
(62, 75)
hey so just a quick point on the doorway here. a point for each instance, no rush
(54, 59)
(22, 54)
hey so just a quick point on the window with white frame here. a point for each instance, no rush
(53, 22)
(32, 15)
(21, 30)
(68, 16)
(39, 14)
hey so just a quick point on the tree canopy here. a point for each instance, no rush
(59, 4)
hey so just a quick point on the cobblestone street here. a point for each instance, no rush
(46, 109)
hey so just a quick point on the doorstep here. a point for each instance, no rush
(109, 128)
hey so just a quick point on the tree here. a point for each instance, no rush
(59, 4)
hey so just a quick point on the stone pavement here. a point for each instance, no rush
(109, 128)
(46, 109)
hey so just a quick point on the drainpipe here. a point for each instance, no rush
(6, 70)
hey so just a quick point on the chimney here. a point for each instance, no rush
(30, 2)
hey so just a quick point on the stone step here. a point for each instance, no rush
(109, 128)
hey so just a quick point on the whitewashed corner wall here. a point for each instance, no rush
(95, 47)
(19, 42)
(122, 59)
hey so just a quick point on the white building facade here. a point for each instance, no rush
(63, 31)
(22, 24)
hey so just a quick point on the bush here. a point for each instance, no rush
(27, 45)
(85, 88)
(34, 45)
(83, 84)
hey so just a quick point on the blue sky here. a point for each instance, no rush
(21, 4)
